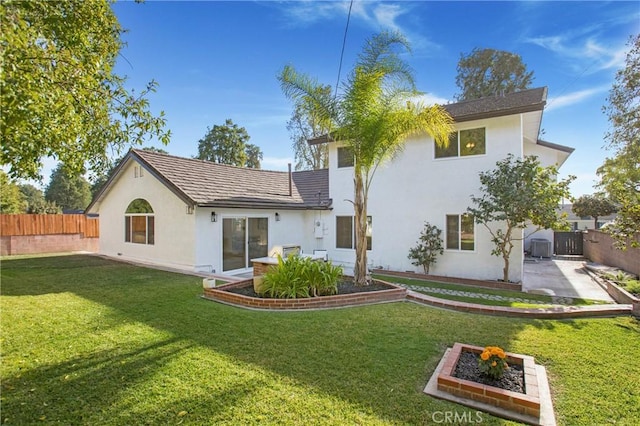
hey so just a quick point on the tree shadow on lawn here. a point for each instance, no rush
(376, 357)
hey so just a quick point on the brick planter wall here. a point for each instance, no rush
(451, 280)
(599, 248)
(527, 403)
(56, 243)
(219, 294)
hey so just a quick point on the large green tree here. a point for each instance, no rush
(60, 95)
(593, 205)
(35, 202)
(518, 192)
(11, 199)
(228, 144)
(67, 190)
(488, 72)
(373, 115)
(306, 124)
(620, 174)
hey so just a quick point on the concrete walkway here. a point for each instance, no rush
(563, 278)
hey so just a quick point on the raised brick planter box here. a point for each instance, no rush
(219, 294)
(525, 407)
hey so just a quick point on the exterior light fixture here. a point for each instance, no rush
(189, 209)
(277, 217)
(214, 217)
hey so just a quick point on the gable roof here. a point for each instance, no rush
(492, 106)
(207, 184)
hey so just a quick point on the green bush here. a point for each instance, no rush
(298, 277)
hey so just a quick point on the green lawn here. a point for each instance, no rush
(91, 341)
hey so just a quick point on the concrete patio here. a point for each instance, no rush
(562, 278)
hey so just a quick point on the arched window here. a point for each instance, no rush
(139, 223)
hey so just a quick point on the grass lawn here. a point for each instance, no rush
(537, 299)
(91, 341)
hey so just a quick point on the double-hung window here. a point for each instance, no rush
(139, 223)
(464, 143)
(460, 232)
(345, 232)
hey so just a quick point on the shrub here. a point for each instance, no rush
(301, 277)
(428, 248)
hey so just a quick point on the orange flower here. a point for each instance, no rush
(493, 364)
(484, 355)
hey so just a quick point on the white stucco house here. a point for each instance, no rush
(210, 217)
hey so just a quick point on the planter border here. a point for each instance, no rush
(617, 293)
(219, 294)
(451, 280)
(532, 407)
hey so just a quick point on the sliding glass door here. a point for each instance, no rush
(243, 239)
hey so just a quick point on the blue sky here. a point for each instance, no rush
(218, 60)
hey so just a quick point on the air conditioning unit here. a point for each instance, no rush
(541, 248)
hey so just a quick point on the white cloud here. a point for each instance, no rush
(375, 14)
(430, 99)
(275, 163)
(573, 98)
(588, 55)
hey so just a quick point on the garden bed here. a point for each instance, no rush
(529, 402)
(242, 294)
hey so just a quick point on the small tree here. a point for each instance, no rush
(594, 206)
(428, 247)
(517, 193)
(68, 191)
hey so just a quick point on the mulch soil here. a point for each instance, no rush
(467, 369)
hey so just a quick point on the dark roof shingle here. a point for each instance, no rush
(211, 184)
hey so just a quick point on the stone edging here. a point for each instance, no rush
(451, 280)
(398, 294)
(560, 312)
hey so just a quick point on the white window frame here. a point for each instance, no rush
(459, 232)
(459, 151)
(353, 232)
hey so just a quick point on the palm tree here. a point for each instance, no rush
(373, 116)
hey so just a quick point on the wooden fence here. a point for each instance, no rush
(49, 224)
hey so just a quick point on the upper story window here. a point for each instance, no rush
(345, 157)
(464, 143)
(139, 223)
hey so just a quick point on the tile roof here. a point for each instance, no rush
(210, 184)
(492, 106)
(499, 105)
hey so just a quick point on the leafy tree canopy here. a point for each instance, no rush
(620, 174)
(70, 192)
(305, 124)
(11, 199)
(60, 95)
(516, 193)
(228, 144)
(593, 205)
(487, 72)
